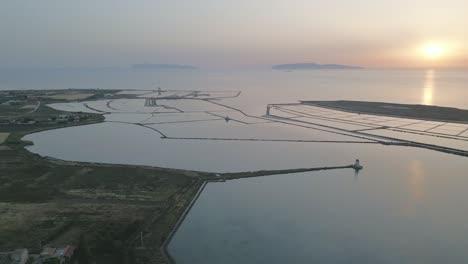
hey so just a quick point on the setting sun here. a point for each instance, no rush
(433, 51)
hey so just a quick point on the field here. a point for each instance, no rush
(105, 210)
(101, 208)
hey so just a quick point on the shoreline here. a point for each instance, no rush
(164, 248)
(206, 177)
(31, 164)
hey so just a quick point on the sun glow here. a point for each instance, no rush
(433, 50)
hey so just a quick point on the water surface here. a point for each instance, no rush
(406, 206)
(424, 86)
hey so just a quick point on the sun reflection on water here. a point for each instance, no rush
(416, 185)
(428, 88)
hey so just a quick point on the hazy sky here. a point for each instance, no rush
(222, 33)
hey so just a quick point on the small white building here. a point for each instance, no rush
(62, 253)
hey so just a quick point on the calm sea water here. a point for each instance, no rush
(407, 206)
(438, 87)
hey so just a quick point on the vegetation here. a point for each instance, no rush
(102, 209)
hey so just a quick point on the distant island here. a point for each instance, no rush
(163, 66)
(314, 66)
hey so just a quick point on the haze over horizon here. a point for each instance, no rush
(224, 34)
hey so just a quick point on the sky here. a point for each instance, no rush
(225, 33)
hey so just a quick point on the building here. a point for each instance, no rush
(63, 117)
(19, 256)
(62, 253)
(68, 118)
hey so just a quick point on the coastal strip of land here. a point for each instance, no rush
(422, 112)
(104, 210)
(324, 114)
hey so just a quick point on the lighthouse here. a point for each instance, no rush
(357, 165)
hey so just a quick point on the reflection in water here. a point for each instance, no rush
(356, 175)
(428, 88)
(416, 179)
